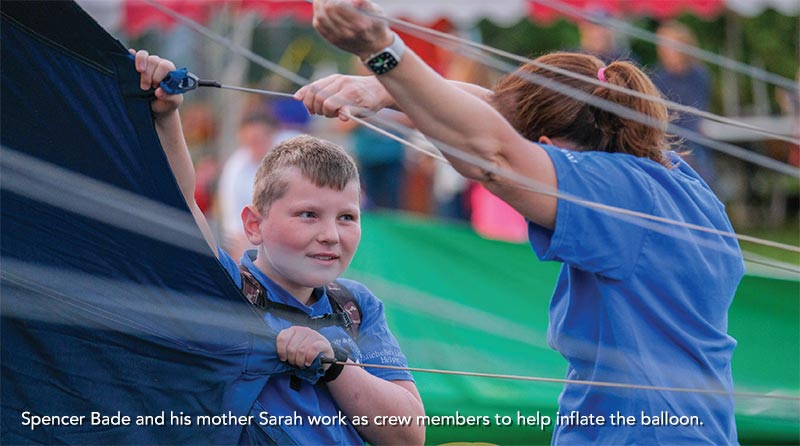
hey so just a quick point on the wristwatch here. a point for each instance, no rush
(386, 59)
(334, 370)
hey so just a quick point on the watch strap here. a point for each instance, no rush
(385, 60)
(335, 369)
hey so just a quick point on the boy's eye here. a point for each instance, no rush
(348, 217)
(306, 214)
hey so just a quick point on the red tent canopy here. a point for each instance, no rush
(139, 15)
(660, 9)
(136, 16)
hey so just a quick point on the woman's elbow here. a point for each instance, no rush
(485, 168)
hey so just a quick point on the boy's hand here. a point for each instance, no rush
(359, 96)
(300, 346)
(153, 70)
(341, 24)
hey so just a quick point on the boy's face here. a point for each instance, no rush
(308, 236)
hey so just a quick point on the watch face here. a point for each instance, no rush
(382, 63)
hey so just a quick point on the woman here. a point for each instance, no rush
(636, 303)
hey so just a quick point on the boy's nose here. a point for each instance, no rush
(328, 233)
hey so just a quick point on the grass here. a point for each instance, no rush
(788, 234)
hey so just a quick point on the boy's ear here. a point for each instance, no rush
(251, 222)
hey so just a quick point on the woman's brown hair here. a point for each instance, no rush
(536, 111)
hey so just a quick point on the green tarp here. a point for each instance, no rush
(460, 302)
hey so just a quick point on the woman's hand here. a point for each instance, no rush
(342, 24)
(339, 95)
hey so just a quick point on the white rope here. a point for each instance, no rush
(693, 51)
(627, 113)
(527, 183)
(49, 183)
(83, 292)
(417, 30)
(570, 381)
(534, 186)
(538, 187)
(729, 149)
(247, 53)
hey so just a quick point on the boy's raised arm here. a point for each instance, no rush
(153, 70)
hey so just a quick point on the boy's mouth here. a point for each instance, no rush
(324, 257)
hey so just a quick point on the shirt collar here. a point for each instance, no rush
(276, 293)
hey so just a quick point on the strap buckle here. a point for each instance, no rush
(348, 321)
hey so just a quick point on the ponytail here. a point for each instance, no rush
(618, 134)
(537, 111)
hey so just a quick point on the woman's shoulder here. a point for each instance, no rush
(604, 164)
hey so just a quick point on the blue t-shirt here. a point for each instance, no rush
(641, 303)
(375, 344)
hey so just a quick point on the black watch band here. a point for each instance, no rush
(335, 369)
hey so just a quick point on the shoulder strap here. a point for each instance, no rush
(252, 288)
(346, 311)
(343, 301)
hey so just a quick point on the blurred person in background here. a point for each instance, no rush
(200, 128)
(381, 160)
(789, 104)
(263, 127)
(291, 117)
(601, 41)
(256, 136)
(685, 81)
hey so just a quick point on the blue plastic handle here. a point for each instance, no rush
(179, 81)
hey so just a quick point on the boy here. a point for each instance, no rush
(305, 222)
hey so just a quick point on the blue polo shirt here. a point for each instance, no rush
(641, 303)
(375, 345)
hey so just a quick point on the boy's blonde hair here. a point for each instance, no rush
(324, 163)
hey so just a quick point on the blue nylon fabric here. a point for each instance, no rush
(96, 318)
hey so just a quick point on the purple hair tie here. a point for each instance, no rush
(601, 74)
